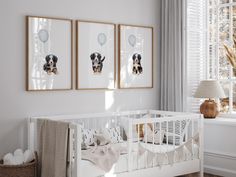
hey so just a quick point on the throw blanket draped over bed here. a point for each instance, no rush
(53, 139)
(103, 157)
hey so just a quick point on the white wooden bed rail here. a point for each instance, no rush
(162, 119)
(153, 120)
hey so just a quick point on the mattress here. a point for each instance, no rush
(139, 161)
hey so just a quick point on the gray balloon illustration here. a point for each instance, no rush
(43, 35)
(132, 40)
(102, 39)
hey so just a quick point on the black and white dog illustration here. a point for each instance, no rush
(51, 64)
(97, 62)
(137, 68)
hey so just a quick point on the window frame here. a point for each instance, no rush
(231, 80)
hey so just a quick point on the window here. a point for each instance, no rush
(196, 50)
(221, 29)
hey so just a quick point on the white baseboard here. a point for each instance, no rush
(218, 163)
(219, 171)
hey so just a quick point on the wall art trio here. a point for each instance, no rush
(50, 53)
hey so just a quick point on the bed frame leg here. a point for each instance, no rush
(201, 133)
(201, 174)
(31, 135)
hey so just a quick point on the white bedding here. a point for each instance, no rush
(139, 162)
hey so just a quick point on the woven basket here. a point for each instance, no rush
(24, 170)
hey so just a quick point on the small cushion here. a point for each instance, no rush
(88, 136)
(155, 137)
(112, 134)
(101, 139)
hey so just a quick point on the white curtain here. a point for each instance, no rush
(173, 65)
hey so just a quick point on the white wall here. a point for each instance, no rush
(16, 104)
(220, 146)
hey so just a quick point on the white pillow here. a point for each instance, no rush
(158, 136)
(179, 130)
(88, 136)
(173, 137)
(112, 134)
(101, 139)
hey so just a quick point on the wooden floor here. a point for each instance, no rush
(196, 175)
(208, 175)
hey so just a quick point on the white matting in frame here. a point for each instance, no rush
(95, 55)
(135, 56)
(49, 53)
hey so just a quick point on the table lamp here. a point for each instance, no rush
(209, 89)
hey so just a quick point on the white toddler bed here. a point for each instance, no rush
(155, 143)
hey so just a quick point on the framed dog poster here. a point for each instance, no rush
(95, 55)
(49, 53)
(135, 57)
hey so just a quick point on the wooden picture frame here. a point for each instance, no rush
(95, 55)
(135, 57)
(49, 53)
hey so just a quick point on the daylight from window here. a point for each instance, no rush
(222, 49)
